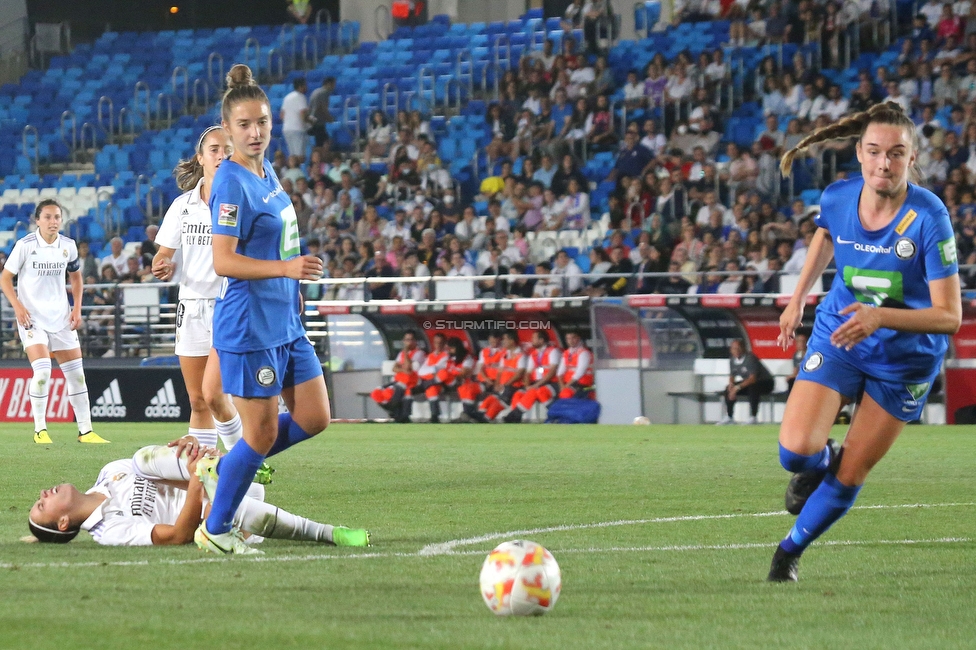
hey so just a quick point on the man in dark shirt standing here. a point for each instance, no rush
(318, 111)
(747, 375)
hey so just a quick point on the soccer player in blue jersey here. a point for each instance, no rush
(257, 331)
(882, 328)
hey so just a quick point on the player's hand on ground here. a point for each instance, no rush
(304, 267)
(23, 317)
(163, 269)
(862, 324)
(789, 321)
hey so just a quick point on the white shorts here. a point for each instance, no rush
(194, 328)
(66, 339)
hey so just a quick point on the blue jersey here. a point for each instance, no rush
(255, 315)
(892, 265)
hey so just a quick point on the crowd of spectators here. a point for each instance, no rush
(678, 200)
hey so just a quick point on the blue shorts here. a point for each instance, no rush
(826, 365)
(266, 372)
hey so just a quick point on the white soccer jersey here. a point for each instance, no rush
(133, 507)
(40, 269)
(187, 228)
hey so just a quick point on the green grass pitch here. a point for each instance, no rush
(640, 568)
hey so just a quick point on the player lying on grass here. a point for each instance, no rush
(155, 498)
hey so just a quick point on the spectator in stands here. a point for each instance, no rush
(502, 130)
(87, 264)
(773, 102)
(116, 258)
(674, 283)
(300, 10)
(733, 283)
(747, 375)
(577, 204)
(294, 119)
(567, 273)
(614, 286)
(496, 265)
(379, 136)
(634, 158)
(318, 111)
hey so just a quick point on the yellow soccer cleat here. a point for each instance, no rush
(228, 543)
(41, 437)
(92, 438)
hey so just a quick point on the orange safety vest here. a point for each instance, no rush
(405, 358)
(571, 360)
(540, 362)
(433, 359)
(510, 365)
(491, 358)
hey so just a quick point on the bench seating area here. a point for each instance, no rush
(450, 403)
(711, 378)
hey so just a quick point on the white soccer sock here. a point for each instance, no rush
(158, 462)
(230, 432)
(206, 437)
(39, 389)
(256, 492)
(266, 520)
(74, 374)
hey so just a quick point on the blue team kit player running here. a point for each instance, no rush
(881, 331)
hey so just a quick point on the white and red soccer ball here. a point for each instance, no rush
(520, 578)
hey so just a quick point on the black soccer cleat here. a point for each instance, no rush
(784, 566)
(803, 484)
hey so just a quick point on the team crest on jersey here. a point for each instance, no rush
(813, 362)
(905, 248)
(227, 215)
(265, 376)
(64, 253)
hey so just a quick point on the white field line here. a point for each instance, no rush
(448, 548)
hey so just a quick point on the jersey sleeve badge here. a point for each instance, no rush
(947, 251)
(227, 215)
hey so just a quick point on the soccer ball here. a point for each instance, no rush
(520, 578)
(642, 419)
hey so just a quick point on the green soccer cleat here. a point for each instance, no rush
(41, 437)
(231, 542)
(207, 473)
(263, 475)
(342, 536)
(92, 438)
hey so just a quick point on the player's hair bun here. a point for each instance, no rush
(240, 76)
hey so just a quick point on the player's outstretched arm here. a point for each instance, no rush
(231, 264)
(188, 520)
(818, 257)
(943, 317)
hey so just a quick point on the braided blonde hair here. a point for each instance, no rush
(854, 126)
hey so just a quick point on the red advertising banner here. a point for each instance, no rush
(15, 403)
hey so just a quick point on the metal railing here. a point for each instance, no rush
(308, 64)
(87, 127)
(124, 113)
(352, 116)
(249, 44)
(67, 117)
(161, 99)
(390, 90)
(286, 34)
(464, 58)
(36, 140)
(154, 209)
(104, 100)
(195, 97)
(144, 87)
(272, 53)
(218, 83)
(175, 78)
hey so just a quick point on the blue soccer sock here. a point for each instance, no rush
(236, 471)
(793, 462)
(289, 434)
(827, 504)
